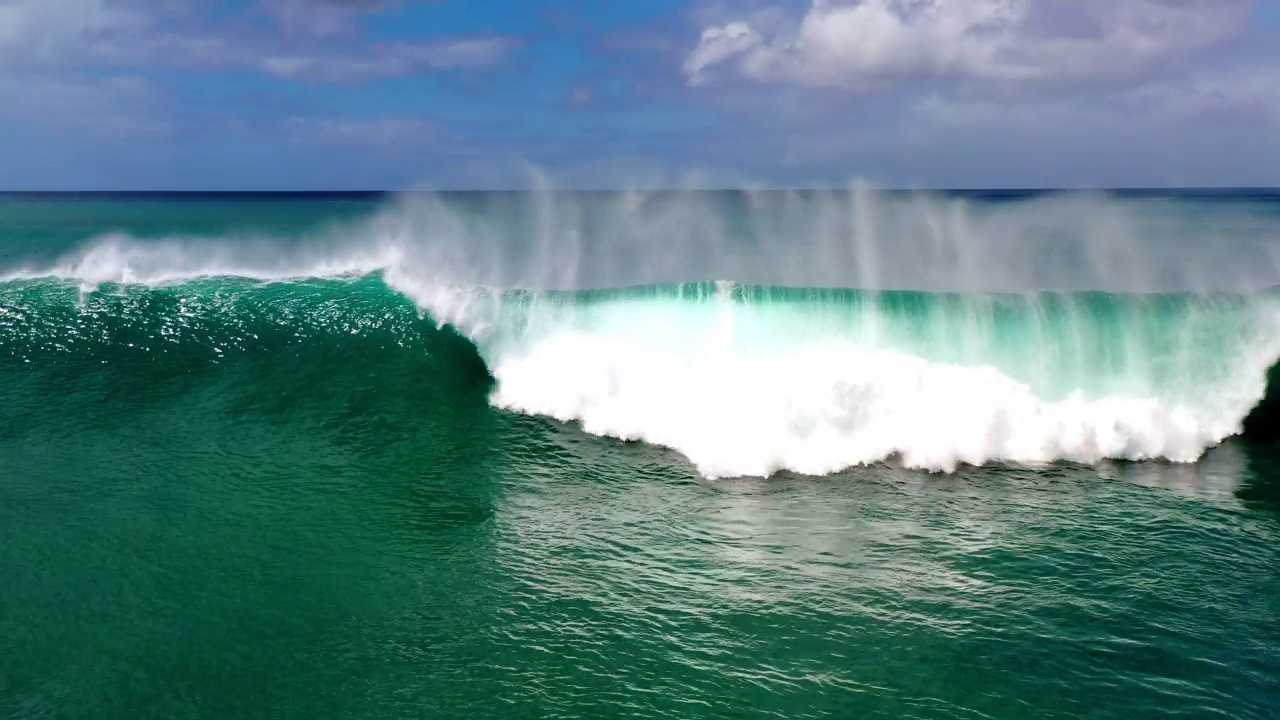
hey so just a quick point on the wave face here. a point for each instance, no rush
(1072, 328)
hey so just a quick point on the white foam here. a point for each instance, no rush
(829, 405)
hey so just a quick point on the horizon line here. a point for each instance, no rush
(1182, 189)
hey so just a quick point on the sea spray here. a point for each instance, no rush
(858, 238)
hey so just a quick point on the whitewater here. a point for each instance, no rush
(756, 333)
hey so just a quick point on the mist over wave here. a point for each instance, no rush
(857, 238)
(951, 330)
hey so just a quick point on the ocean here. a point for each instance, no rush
(799, 454)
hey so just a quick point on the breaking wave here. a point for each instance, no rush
(856, 329)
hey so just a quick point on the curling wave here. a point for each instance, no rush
(754, 380)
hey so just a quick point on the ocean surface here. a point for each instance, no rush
(822, 454)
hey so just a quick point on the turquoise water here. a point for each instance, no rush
(343, 481)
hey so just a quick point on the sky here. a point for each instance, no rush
(458, 94)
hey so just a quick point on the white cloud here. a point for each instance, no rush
(870, 43)
(43, 42)
(719, 44)
(43, 32)
(390, 60)
(60, 34)
(319, 17)
(1249, 89)
(100, 107)
(1248, 92)
(325, 17)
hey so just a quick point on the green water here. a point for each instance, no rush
(222, 498)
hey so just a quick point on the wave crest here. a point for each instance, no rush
(996, 355)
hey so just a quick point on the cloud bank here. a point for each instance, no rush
(869, 44)
(52, 35)
(330, 93)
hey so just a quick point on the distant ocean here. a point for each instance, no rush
(793, 454)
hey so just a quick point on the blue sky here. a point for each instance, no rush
(387, 94)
